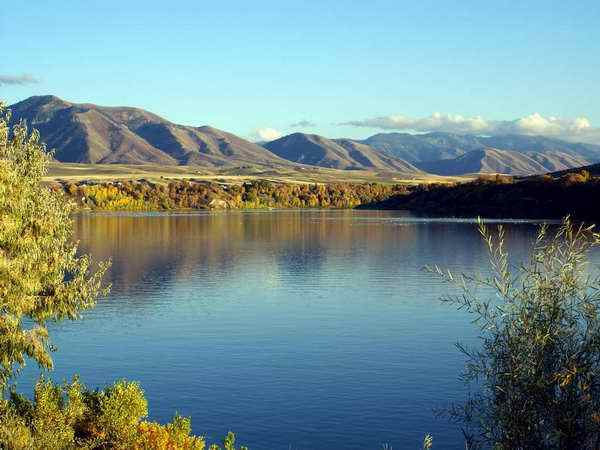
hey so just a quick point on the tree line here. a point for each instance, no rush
(193, 194)
(544, 197)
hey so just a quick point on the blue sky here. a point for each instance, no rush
(377, 65)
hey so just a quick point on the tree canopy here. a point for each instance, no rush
(42, 278)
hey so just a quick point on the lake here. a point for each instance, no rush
(295, 329)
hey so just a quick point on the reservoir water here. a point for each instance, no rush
(295, 329)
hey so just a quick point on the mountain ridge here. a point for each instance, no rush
(492, 160)
(436, 146)
(344, 154)
(88, 133)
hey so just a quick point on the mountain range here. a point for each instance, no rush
(455, 154)
(492, 160)
(88, 133)
(342, 154)
(437, 145)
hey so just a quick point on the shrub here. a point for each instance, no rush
(176, 435)
(583, 176)
(537, 373)
(70, 416)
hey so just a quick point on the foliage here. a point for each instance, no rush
(41, 277)
(537, 372)
(70, 416)
(495, 178)
(583, 176)
(175, 435)
(543, 197)
(428, 442)
(146, 195)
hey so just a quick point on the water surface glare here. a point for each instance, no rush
(296, 329)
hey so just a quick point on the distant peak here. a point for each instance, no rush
(211, 130)
(208, 128)
(44, 100)
(304, 136)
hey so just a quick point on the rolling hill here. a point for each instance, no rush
(87, 133)
(335, 153)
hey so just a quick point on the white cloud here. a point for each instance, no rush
(538, 124)
(18, 79)
(436, 122)
(265, 134)
(578, 128)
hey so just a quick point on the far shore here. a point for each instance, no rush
(492, 196)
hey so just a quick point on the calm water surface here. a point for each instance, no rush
(296, 329)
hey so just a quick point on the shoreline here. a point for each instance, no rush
(536, 198)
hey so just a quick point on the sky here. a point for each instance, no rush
(339, 68)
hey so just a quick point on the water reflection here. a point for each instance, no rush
(315, 329)
(170, 248)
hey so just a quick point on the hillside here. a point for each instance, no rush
(593, 169)
(88, 133)
(491, 160)
(423, 147)
(542, 144)
(339, 154)
(538, 197)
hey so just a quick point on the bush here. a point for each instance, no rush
(537, 372)
(70, 416)
(175, 435)
(494, 178)
(583, 176)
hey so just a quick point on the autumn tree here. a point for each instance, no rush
(42, 278)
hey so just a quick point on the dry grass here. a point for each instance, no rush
(99, 172)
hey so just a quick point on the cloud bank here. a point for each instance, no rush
(574, 129)
(265, 134)
(303, 124)
(18, 80)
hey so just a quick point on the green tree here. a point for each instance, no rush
(42, 278)
(537, 371)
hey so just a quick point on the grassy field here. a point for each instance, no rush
(109, 172)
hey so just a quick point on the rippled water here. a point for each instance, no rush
(296, 329)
